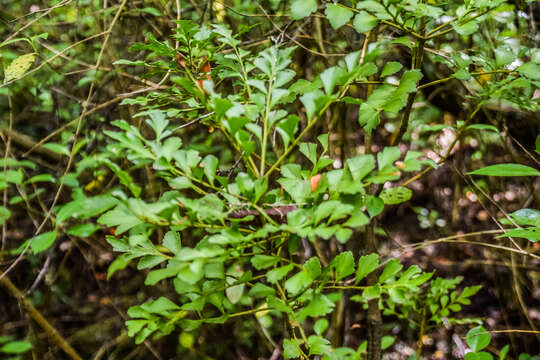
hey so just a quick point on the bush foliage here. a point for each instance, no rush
(243, 167)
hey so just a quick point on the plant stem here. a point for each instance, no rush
(265, 126)
(374, 317)
(418, 58)
(421, 335)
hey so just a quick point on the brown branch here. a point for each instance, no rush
(279, 211)
(40, 319)
(27, 142)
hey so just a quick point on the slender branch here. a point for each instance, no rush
(265, 122)
(418, 58)
(27, 142)
(39, 318)
(428, 37)
(439, 81)
(421, 334)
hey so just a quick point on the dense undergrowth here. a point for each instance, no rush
(266, 180)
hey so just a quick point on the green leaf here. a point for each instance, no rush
(462, 74)
(337, 15)
(504, 352)
(387, 341)
(263, 261)
(332, 208)
(531, 233)
(391, 269)
(330, 77)
(375, 8)
(366, 265)
(467, 28)
(343, 264)
(403, 40)
(171, 240)
(279, 273)
(120, 216)
(156, 276)
(408, 81)
(18, 67)
(210, 164)
(16, 347)
(298, 282)
(318, 345)
(310, 151)
(5, 214)
(483, 127)
(121, 262)
(129, 62)
(157, 122)
(374, 205)
(360, 166)
(395, 195)
(506, 170)
(151, 10)
(530, 70)
(537, 145)
(180, 182)
(371, 292)
(42, 178)
(467, 293)
(83, 230)
(526, 217)
(278, 305)
(160, 305)
(313, 267)
(150, 261)
(302, 8)
(504, 56)
(287, 128)
(291, 348)
(192, 273)
(394, 99)
(214, 270)
(320, 326)
(310, 102)
(14, 176)
(84, 208)
(186, 340)
(478, 356)
(57, 148)
(261, 290)
(387, 157)
(478, 338)
(320, 305)
(364, 21)
(303, 86)
(234, 293)
(42, 242)
(368, 117)
(391, 68)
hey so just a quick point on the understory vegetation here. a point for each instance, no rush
(297, 179)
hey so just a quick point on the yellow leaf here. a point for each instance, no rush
(19, 66)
